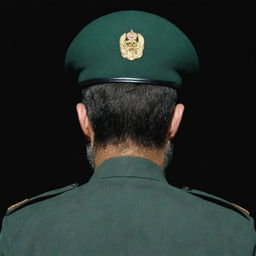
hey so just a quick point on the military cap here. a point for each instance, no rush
(131, 46)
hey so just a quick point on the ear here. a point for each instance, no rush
(84, 120)
(176, 119)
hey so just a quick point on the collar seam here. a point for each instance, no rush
(128, 176)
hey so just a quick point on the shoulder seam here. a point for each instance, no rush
(222, 201)
(51, 193)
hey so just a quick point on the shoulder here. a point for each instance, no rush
(230, 217)
(42, 197)
(24, 217)
(219, 202)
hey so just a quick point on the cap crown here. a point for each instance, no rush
(96, 52)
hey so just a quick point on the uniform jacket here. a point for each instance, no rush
(127, 208)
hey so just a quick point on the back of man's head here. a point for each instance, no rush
(130, 64)
(138, 113)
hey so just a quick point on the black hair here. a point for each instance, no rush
(140, 113)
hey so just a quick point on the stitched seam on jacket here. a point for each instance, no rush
(129, 177)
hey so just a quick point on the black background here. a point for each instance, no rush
(42, 145)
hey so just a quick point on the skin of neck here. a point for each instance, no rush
(129, 149)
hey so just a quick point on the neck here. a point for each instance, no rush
(155, 155)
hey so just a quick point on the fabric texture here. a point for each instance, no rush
(126, 208)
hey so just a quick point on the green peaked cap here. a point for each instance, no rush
(155, 51)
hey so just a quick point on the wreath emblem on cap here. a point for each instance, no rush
(131, 45)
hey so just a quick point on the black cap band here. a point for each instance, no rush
(129, 80)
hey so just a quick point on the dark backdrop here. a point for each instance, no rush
(42, 145)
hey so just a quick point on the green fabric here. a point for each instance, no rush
(47, 194)
(95, 51)
(126, 208)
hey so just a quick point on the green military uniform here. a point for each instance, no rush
(128, 207)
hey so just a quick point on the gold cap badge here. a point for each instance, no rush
(131, 45)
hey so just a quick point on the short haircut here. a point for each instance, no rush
(140, 113)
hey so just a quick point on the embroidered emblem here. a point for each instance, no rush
(131, 45)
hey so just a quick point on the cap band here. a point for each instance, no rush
(129, 80)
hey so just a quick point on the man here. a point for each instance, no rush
(130, 65)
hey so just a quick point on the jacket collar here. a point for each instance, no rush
(129, 166)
